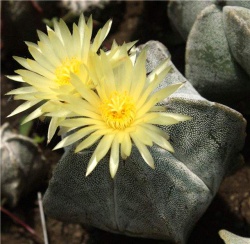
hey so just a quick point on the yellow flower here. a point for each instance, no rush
(121, 111)
(55, 56)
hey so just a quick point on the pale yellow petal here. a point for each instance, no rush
(35, 114)
(100, 151)
(114, 158)
(15, 78)
(80, 106)
(138, 76)
(91, 165)
(57, 31)
(90, 24)
(78, 122)
(89, 141)
(159, 140)
(57, 46)
(156, 130)
(122, 75)
(53, 125)
(179, 117)
(155, 98)
(146, 155)
(22, 90)
(76, 42)
(86, 40)
(59, 114)
(35, 80)
(142, 136)
(158, 109)
(160, 68)
(66, 36)
(145, 118)
(41, 59)
(75, 136)
(81, 26)
(22, 61)
(85, 92)
(126, 146)
(48, 52)
(163, 119)
(100, 36)
(42, 36)
(104, 146)
(36, 67)
(31, 44)
(26, 105)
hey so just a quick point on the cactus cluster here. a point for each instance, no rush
(164, 203)
(217, 47)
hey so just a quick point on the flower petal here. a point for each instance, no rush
(15, 78)
(100, 151)
(53, 125)
(126, 146)
(143, 151)
(75, 136)
(26, 105)
(22, 90)
(89, 141)
(100, 36)
(114, 157)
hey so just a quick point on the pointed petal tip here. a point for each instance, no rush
(112, 174)
(88, 172)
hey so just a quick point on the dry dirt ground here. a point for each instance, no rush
(229, 210)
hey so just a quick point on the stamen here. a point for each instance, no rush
(63, 72)
(118, 111)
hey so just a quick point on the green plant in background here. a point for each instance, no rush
(217, 49)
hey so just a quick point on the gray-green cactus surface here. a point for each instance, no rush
(164, 203)
(237, 29)
(183, 14)
(217, 48)
(210, 67)
(23, 167)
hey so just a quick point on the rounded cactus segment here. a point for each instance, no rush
(23, 167)
(184, 12)
(244, 4)
(210, 66)
(237, 29)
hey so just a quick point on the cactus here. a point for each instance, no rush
(23, 167)
(217, 48)
(164, 203)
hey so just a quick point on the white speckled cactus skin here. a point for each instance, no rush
(23, 167)
(164, 203)
(217, 48)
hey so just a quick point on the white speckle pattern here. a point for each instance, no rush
(164, 203)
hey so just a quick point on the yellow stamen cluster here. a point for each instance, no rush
(69, 65)
(118, 111)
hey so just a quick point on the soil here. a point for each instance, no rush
(230, 208)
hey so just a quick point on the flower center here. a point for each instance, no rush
(118, 111)
(63, 72)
